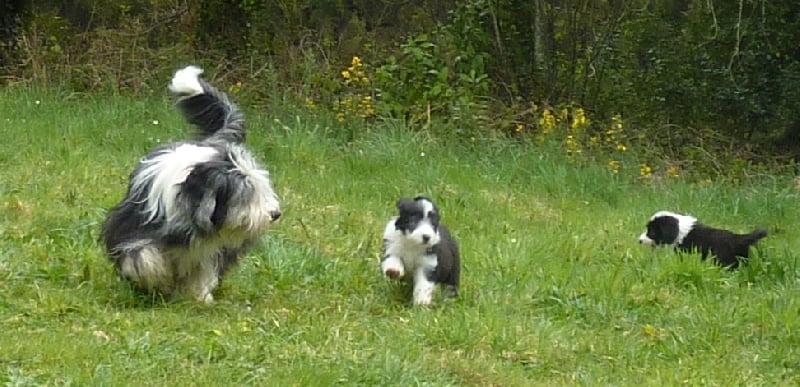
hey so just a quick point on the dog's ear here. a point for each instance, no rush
(666, 229)
(404, 204)
(209, 189)
(404, 207)
(203, 214)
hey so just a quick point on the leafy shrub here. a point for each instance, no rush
(442, 73)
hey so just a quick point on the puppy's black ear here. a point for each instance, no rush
(666, 230)
(404, 204)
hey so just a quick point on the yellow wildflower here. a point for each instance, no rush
(578, 119)
(613, 165)
(645, 170)
(673, 171)
(548, 122)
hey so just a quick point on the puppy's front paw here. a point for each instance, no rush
(392, 267)
(393, 273)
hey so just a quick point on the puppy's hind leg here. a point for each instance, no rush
(451, 291)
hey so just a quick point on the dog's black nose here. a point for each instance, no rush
(275, 215)
(426, 238)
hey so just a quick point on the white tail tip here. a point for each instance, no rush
(186, 81)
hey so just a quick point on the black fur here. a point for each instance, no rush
(727, 248)
(214, 115)
(448, 269)
(663, 230)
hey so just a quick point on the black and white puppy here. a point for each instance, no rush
(420, 249)
(684, 232)
(192, 207)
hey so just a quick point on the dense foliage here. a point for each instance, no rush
(684, 74)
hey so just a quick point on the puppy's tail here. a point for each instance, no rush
(753, 237)
(206, 108)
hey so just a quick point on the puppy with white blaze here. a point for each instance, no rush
(418, 248)
(685, 233)
(192, 207)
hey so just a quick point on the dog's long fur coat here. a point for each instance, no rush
(192, 207)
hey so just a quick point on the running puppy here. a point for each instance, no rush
(685, 233)
(418, 248)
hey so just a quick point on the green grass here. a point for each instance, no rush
(556, 290)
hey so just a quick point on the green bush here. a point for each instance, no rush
(692, 79)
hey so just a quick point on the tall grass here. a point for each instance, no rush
(556, 290)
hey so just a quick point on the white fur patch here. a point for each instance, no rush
(150, 270)
(685, 224)
(393, 263)
(645, 240)
(401, 245)
(166, 171)
(408, 254)
(186, 81)
(423, 289)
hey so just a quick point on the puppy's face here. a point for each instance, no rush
(667, 228)
(418, 220)
(660, 231)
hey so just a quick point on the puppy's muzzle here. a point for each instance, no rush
(275, 215)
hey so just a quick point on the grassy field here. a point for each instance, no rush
(556, 290)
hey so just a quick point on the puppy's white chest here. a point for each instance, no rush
(414, 257)
(411, 253)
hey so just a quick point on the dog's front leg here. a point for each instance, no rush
(423, 287)
(393, 267)
(203, 281)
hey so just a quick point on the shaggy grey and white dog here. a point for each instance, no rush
(192, 207)
(419, 248)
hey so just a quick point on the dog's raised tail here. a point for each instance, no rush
(754, 236)
(206, 108)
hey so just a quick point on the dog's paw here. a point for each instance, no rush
(451, 291)
(423, 294)
(423, 302)
(392, 267)
(206, 298)
(393, 273)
